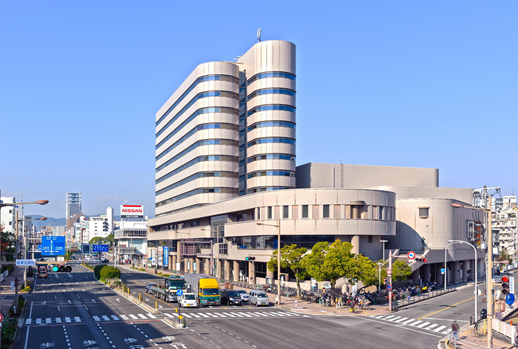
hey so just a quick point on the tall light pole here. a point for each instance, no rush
(278, 226)
(383, 241)
(379, 284)
(476, 273)
(489, 270)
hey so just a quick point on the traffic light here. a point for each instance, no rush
(505, 285)
(16, 282)
(250, 258)
(61, 268)
(421, 259)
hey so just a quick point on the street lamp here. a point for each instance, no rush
(379, 267)
(489, 268)
(476, 273)
(278, 226)
(383, 241)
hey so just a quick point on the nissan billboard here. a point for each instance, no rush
(132, 211)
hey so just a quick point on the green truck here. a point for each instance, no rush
(205, 288)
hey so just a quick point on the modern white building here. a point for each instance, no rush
(100, 226)
(505, 228)
(131, 235)
(8, 214)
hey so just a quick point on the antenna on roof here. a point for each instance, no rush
(259, 35)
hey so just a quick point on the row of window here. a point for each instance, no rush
(271, 157)
(270, 140)
(272, 124)
(196, 176)
(195, 161)
(194, 146)
(193, 116)
(192, 132)
(196, 192)
(256, 190)
(194, 84)
(194, 100)
(272, 75)
(327, 211)
(271, 173)
(271, 107)
(271, 91)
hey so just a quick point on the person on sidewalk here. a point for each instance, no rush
(455, 331)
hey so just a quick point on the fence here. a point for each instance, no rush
(417, 298)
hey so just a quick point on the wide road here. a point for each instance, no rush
(270, 327)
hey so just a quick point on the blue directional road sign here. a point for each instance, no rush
(100, 248)
(52, 245)
(442, 270)
(179, 293)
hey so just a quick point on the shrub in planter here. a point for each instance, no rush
(109, 272)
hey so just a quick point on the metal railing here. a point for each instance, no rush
(401, 302)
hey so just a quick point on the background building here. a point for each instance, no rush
(131, 236)
(8, 214)
(100, 226)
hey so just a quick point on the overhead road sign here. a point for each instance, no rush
(100, 248)
(52, 245)
(85, 249)
(25, 262)
(410, 255)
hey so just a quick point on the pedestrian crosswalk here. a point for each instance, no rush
(233, 315)
(422, 324)
(149, 316)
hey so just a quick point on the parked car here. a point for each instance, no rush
(258, 297)
(105, 261)
(148, 287)
(187, 300)
(230, 297)
(245, 297)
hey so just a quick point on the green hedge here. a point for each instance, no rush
(109, 272)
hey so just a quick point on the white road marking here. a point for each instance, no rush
(423, 324)
(439, 329)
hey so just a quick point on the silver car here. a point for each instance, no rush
(258, 298)
(245, 297)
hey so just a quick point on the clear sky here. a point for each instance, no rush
(429, 83)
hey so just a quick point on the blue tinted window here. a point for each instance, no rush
(270, 91)
(271, 173)
(191, 148)
(181, 140)
(271, 157)
(272, 124)
(193, 177)
(272, 75)
(271, 107)
(271, 140)
(193, 162)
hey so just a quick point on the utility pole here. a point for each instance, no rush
(489, 272)
(390, 280)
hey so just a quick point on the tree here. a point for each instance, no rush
(400, 270)
(367, 271)
(291, 257)
(331, 262)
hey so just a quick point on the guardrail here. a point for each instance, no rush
(398, 303)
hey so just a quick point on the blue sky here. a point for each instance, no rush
(404, 83)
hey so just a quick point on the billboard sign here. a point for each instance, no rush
(132, 211)
(166, 256)
(85, 249)
(52, 245)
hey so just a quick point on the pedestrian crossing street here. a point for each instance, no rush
(422, 324)
(149, 316)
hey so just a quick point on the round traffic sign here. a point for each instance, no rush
(410, 255)
(389, 287)
(389, 271)
(1, 317)
(179, 293)
(180, 317)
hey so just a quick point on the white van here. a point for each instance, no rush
(258, 297)
(187, 300)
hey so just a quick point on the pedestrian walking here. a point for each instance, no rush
(455, 331)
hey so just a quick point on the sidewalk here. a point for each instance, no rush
(468, 339)
(6, 295)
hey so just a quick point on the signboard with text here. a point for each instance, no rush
(166, 256)
(25, 262)
(52, 245)
(100, 248)
(132, 211)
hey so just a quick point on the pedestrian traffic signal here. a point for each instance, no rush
(505, 285)
(250, 258)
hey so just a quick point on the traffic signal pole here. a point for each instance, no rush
(489, 276)
(390, 281)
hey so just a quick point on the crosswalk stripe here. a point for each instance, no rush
(132, 316)
(407, 321)
(379, 316)
(175, 314)
(394, 318)
(38, 321)
(28, 321)
(106, 318)
(204, 315)
(245, 314)
(439, 329)
(77, 318)
(96, 318)
(388, 317)
(212, 315)
(58, 320)
(229, 314)
(402, 319)
(67, 319)
(48, 320)
(167, 314)
(260, 314)
(114, 317)
(124, 317)
(238, 315)
(142, 316)
(151, 315)
(423, 324)
(431, 327)
(196, 315)
(415, 323)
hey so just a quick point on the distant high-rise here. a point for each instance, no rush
(73, 204)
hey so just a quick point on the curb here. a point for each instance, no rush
(136, 301)
(175, 324)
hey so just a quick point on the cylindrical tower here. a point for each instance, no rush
(197, 140)
(267, 122)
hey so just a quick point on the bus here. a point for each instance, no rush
(42, 271)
